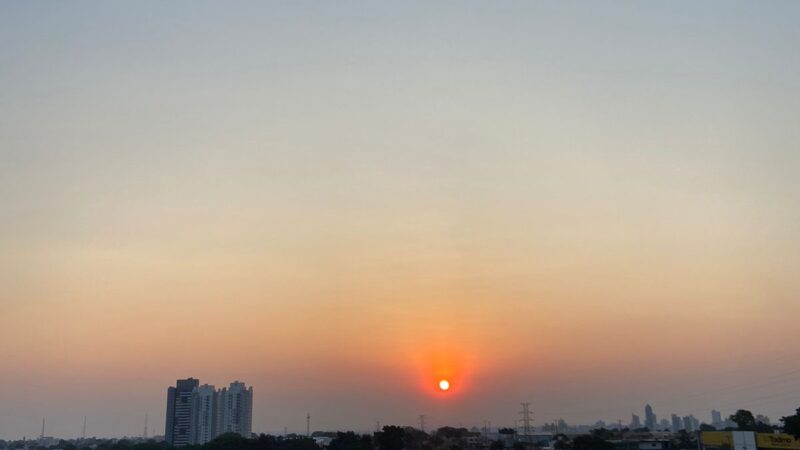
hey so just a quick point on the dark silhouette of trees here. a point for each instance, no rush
(684, 440)
(591, 442)
(791, 424)
(391, 437)
(351, 441)
(507, 431)
(562, 442)
(415, 439)
(497, 445)
(602, 433)
(744, 419)
(707, 427)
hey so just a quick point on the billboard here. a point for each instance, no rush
(747, 440)
(732, 440)
(717, 439)
(781, 441)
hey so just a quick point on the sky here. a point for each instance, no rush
(587, 206)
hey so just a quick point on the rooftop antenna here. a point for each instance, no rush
(41, 436)
(83, 433)
(308, 424)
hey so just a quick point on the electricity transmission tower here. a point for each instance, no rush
(527, 419)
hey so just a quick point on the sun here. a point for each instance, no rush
(444, 385)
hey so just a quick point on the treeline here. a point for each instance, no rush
(409, 438)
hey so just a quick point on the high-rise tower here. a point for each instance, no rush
(235, 410)
(178, 430)
(650, 420)
(205, 401)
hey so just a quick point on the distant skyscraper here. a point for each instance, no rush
(235, 410)
(677, 423)
(716, 418)
(663, 424)
(690, 424)
(204, 414)
(635, 422)
(650, 420)
(179, 412)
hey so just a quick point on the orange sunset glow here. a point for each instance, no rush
(372, 212)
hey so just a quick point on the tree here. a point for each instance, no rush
(300, 443)
(497, 445)
(744, 420)
(791, 424)
(507, 431)
(684, 440)
(707, 427)
(391, 437)
(587, 442)
(228, 441)
(414, 439)
(350, 441)
(561, 442)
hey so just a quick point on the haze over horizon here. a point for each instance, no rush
(586, 206)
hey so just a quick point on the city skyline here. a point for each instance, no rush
(586, 206)
(217, 423)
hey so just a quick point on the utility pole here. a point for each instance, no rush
(308, 424)
(83, 433)
(422, 422)
(145, 426)
(526, 420)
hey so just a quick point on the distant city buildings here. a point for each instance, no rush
(677, 423)
(197, 414)
(716, 418)
(636, 423)
(690, 423)
(650, 420)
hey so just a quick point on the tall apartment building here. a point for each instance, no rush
(236, 409)
(198, 414)
(205, 402)
(179, 426)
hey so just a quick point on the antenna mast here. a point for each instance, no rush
(83, 433)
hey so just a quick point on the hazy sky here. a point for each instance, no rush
(587, 206)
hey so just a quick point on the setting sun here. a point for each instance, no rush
(444, 385)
